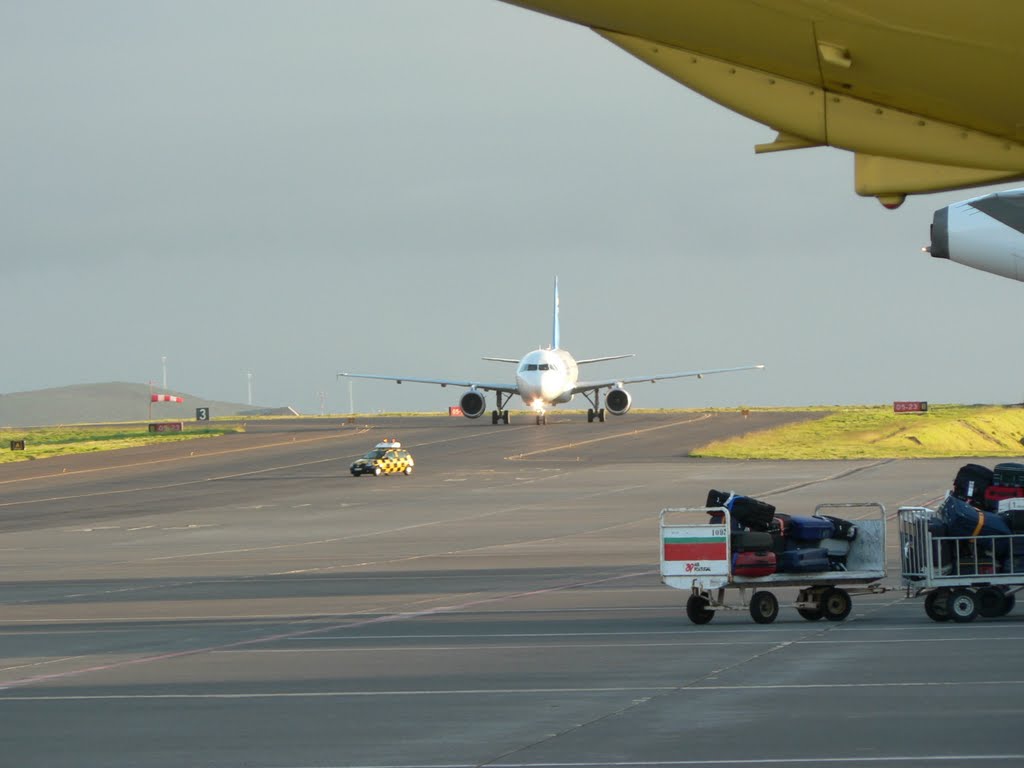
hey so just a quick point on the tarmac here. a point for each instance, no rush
(244, 601)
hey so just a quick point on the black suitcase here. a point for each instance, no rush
(1015, 519)
(751, 541)
(971, 481)
(752, 513)
(779, 529)
(1008, 473)
(717, 498)
(844, 529)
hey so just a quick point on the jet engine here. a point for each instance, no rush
(473, 404)
(985, 233)
(618, 401)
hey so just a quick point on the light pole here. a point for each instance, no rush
(248, 375)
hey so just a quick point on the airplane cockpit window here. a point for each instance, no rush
(531, 367)
(543, 366)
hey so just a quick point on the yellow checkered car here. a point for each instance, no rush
(387, 458)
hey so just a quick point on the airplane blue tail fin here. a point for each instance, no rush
(554, 329)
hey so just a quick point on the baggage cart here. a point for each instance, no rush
(696, 557)
(961, 577)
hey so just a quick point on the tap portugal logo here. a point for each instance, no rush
(697, 568)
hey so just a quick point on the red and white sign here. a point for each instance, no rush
(166, 399)
(909, 406)
(455, 410)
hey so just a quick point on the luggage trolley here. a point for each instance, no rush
(961, 577)
(697, 557)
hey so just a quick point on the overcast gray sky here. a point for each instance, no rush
(300, 188)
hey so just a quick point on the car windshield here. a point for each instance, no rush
(377, 453)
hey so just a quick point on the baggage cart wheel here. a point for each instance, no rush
(1009, 602)
(963, 605)
(991, 602)
(811, 614)
(936, 605)
(835, 604)
(697, 610)
(763, 607)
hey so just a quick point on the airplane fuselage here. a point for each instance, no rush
(546, 377)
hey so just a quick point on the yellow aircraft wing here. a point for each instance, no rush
(925, 93)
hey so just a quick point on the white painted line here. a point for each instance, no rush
(833, 760)
(472, 692)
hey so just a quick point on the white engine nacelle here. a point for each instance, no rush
(473, 404)
(985, 233)
(617, 401)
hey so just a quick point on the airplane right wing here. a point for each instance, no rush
(490, 387)
(583, 386)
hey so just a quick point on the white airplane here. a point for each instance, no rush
(985, 233)
(546, 378)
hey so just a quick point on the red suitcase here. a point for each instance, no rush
(1000, 492)
(753, 563)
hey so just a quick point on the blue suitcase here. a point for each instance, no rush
(810, 528)
(803, 561)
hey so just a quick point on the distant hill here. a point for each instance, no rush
(112, 401)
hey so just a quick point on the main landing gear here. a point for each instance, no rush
(595, 412)
(501, 414)
(542, 418)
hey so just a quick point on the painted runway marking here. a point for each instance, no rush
(380, 619)
(484, 691)
(634, 433)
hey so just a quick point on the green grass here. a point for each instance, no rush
(875, 432)
(61, 441)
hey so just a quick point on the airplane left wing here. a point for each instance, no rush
(583, 386)
(490, 387)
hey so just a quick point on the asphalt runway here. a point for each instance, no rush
(244, 601)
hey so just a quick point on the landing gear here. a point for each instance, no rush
(542, 418)
(501, 414)
(595, 412)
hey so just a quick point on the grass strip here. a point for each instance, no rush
(875, 432)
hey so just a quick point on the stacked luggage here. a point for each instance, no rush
(764, 541)
(986, 502)
(985, 488)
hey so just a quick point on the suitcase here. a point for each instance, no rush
(717, 498)
(811, 528)
(1008, 473)
(1015, 521)
(844, 529)
(836, 548)
(753, 564)
(803, 561)
(779, 529)
(751, 541)
(751, 513)
(971, 481)
(1007, 504)
(996, 493)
